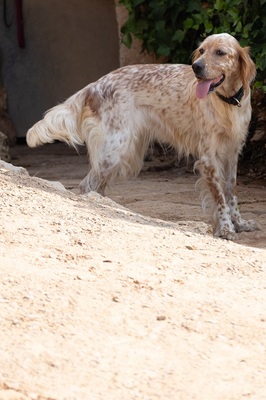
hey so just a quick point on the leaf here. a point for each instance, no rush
(179, 36)
(160, 26)
(208, 26)
(141, 25)
(194, 6)
(127, 39)
(263, 52)
(188, 23)
(239, 27)
(198, 19)
(234, 13)
(246, 30)
(163, 50)
(219, 5)
(127, 4)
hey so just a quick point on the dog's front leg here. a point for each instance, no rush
(240, 224)
(212, 180)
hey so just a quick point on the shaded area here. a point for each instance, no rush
(168, 194)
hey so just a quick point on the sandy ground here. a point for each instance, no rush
(127, 297)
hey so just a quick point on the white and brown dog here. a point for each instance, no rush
(203, 110)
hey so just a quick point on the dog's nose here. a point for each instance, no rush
(198, 67)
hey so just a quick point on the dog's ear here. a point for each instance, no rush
(247, 67)
(195, 54)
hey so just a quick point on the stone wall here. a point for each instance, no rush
(134, 55)
(6, 125)
(7, 130)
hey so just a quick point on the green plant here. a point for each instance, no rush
(173, 28)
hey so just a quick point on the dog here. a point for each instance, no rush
(202, 110)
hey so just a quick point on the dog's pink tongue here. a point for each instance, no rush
(202, 88)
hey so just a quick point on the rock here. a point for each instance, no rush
(3, 99)
(52, 184)
(4, 148)
(7, 127)
(12, 168)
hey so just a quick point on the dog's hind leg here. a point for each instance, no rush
(93, 182)
(112, 155)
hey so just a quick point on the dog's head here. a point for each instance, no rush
(221, 62)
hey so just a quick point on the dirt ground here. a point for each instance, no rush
(129, 296)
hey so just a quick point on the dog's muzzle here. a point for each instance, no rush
(199, 69)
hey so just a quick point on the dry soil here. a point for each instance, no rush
(129, 296)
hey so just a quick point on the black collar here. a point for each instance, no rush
(235, 99)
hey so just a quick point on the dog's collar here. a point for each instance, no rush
(235, 99)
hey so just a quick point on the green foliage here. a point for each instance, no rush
(173, 28)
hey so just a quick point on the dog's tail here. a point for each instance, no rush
(62, 122)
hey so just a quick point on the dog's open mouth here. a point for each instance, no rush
(205, 86)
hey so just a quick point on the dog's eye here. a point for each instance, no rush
(220, 53)
(201, 51)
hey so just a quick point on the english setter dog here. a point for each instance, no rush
(203, 110)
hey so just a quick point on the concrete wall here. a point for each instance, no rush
(69, 43)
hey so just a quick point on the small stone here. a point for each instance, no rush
(161, 318)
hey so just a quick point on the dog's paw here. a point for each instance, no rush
(226, 232)
(247, 226)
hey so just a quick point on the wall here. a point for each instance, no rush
(69, 43)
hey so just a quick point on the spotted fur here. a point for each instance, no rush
(120, 114)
